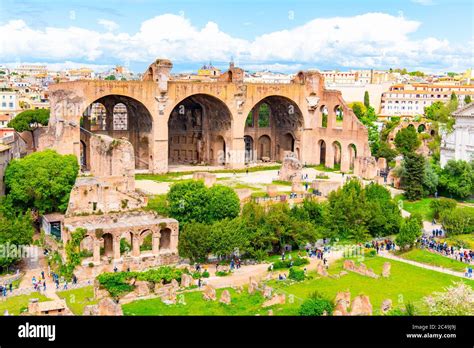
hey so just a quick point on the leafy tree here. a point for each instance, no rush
(193, 201)
(386, 152)
(413, 177)
(430, 179)
(384, 216)
(188, 202)
(316, 305)
(407, 140)
(359, 109)
(223, 203)
(227, 237)
(41, 181)
(454, 98)
(111, 78)
(29, 120)
(456, 179)
(441, 204)
(410, 231)
(194, 241)
(366, 99)
(347, 214)
(15, 232)
(467, 99)
(457, 221)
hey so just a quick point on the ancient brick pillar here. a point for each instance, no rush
(96, 250)
(155, 243)
(135, 245)
(116, 248)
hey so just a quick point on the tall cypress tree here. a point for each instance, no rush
(413, 178)
(366, 99)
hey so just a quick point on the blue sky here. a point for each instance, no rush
(433, 35)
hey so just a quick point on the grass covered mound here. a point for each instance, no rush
(433, 259)
(118, 283)
(192, 303)
(77, 299)
(300, 261)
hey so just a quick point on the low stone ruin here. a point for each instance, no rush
(209, 293)
(225, 297)
(208, 178)
(386, 269)
(361, 269)
(275, 300)
(360, 305)
(291, 168)
(386, 306)
(321, 270)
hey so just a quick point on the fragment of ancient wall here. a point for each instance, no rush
(160, 95)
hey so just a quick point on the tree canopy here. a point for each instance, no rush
(29, 120)
(407, 140)
(456, 179)
(41, 181)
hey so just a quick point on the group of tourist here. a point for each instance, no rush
(3, 289)
(461, 255)
(437, 232)
(379, 245)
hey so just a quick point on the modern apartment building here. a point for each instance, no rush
(411, 99)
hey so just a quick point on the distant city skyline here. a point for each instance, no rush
(280, 36)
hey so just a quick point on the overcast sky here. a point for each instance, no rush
(431, 35)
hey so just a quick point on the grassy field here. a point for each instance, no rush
(430, 258)
(16, 304)
(421, 206)
(407, 283)
(192, 303)
(174, 176)
(77, 299)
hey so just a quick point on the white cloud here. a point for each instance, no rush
(108, 24)
(423, 2)
(368, 40)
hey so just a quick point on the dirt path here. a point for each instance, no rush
(241, 276)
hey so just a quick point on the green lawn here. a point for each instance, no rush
(174, 176)
(159, 204)
(77, 299)
(430, 258)
(192, 303)
(16, 304)
(407, 283)
(421, 207)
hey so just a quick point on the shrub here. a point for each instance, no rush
(222, 273)
(458, 221)
(441, 204)
(296, 274)
(205, 274)
(286, 264)
(316, 305)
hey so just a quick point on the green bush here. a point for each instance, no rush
(458, 221)
(286, 264)
(205, 274)
(222, 273)
(441, 204)
(296, 274)
(116, 283)
(316, 305)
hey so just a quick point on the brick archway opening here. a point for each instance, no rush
(119, 116)
(199, 131)
(278, 118)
